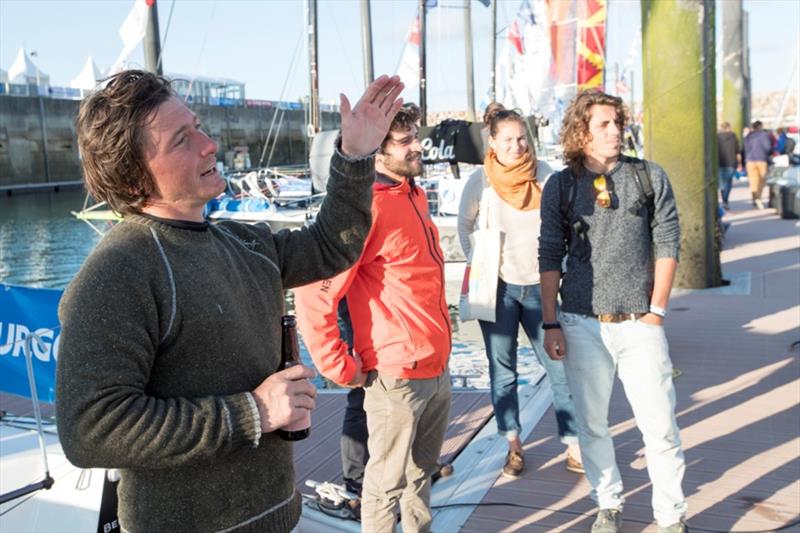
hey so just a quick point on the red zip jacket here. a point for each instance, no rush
(395, 294)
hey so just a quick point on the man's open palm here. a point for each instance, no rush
(365, 126)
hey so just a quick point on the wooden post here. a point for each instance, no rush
(680, 124)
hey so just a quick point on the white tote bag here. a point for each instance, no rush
(479, 286)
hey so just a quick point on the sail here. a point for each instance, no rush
(537, 64)
(131, 33)
(408, 70)
(591, 43)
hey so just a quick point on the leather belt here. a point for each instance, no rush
(619, 317)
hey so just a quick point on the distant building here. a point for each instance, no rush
(211, 91)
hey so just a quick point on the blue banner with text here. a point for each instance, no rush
(29, 324)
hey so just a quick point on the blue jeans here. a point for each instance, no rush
(726, 175)
(522, 304)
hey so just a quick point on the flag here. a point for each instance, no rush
(408, 69)
(515, 37)
(622, 86)
(131, 32)
(591, 43)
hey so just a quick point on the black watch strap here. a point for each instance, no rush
(551, 325)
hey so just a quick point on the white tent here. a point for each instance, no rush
(3, 76)
(24, 71)
(88, 77)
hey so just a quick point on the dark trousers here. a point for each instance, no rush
(354, 441)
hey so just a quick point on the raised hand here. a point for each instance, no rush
(365, 126)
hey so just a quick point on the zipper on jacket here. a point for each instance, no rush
(439, 261)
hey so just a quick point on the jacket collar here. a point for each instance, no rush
(384, 182)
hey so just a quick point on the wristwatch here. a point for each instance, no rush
(658, 311)
(551, 325)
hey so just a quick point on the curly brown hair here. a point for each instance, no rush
(406, 116)
(575, 126)
(111, 134)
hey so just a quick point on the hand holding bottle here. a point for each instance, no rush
(286, 398)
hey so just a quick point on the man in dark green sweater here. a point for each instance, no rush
(169, 355)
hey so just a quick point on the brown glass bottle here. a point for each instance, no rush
(290, 356)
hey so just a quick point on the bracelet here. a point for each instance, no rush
(659, 311)
(551, 325)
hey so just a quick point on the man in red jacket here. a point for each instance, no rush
(401, 336)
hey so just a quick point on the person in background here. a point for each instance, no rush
(507, 191)
(171, 342)
(622, 252)
(401, 337)
(730, 161)
(757, 150)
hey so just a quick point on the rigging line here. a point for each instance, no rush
(202, 49)
(280, 99)
(166, 34)
(344, 53)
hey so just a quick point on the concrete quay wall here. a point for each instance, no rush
(22, 136)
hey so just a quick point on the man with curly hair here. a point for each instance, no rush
(401, 337)
(621, 245)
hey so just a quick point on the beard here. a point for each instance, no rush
(411, 167)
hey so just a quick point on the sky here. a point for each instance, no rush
(262, 42)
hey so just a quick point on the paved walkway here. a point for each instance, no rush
(738, 398)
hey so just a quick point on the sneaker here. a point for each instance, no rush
(515, 463)
(573, 465)
(725, 206)
(608, 521)
(677, 527)
(759, 203)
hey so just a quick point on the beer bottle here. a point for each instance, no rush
(290, 356)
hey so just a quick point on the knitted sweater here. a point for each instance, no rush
(618, 276)
(166, 329)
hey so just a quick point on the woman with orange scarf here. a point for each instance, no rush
(505, 196)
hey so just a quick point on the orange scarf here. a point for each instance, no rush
(515, 184)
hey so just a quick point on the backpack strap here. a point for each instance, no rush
(641, 173)
(569, 190)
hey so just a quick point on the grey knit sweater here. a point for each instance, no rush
(618, 275)
(165, 331)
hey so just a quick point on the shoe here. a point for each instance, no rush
(608, 521)
(515, 463)
(573, 465)
(354, 507)
(677, 527)
(759, 203)
(725, 206)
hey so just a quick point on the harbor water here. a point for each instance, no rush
(41, 244)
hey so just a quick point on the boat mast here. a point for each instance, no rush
(313, 101)
(152, 41)
(470, 69)
(423, 105)
(366, 42)
(493, 78)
